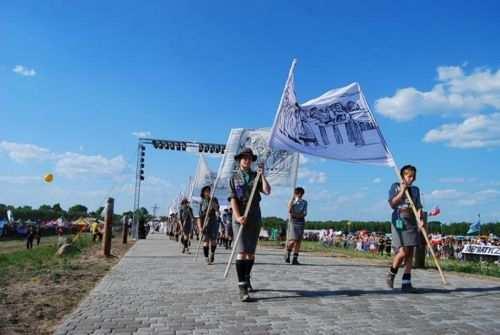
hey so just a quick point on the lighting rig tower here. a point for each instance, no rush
(187, 146)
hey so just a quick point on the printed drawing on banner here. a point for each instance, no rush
(343, 121)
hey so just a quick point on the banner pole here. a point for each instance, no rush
(292, 69)
(247, 209)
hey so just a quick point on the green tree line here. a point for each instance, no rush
(457, 228)
(54, 212)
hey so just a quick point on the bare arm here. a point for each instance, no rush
(398, 198)
(266, 188)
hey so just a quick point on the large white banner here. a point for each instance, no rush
(203, 177)
(280, 166)
(337, 125)
(487, 250)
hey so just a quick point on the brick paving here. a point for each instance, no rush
(155, 289)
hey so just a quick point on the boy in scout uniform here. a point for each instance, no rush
(297, 209)
(404, 226)
(240, 185)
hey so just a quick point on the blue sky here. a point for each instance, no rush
(76, 81)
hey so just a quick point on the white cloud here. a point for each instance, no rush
(142, 134)
(446, 194)
(312, 177)
(68, 164)
(377, 180)
(456, 92)
(72, 165)
(24, 71)
(479, 131)
(21, 152)
(452, 180)
(21, 180)
(158, 182)
(462, 198)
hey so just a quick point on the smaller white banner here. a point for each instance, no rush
(486, 250)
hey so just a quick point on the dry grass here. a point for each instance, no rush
(39, 288)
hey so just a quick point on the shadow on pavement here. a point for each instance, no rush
(300, 294)
(323, 265)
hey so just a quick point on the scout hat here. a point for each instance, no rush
(209, 187)
(246, 152)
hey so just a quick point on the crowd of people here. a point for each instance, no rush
(375, 243)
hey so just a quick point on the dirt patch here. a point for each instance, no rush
(36, 304)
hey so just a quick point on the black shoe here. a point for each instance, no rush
(183, 250)
(389, 279)
(287, 259)
(295, 262)
(244, 297)
(212, 259)
(249, 285)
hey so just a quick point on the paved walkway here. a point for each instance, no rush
(157, 290)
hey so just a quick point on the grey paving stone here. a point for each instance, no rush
(155, 289)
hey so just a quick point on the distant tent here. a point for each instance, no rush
(82, 222)
(475, 228)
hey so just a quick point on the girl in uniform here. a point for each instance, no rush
(404, 226)
(240, 185)
(186, 216)
(297, 209)
(210, 231)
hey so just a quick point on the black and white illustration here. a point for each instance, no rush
(343, 121)
(279, 165)
(337, 125)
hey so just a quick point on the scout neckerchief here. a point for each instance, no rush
(246, 176)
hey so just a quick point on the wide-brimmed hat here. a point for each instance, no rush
(246, 152)
(204, 188)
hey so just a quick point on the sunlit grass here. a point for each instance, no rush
(480, 268)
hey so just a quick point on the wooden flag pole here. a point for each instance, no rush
(238, 237)
(424, 231)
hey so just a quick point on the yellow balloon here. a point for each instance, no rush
(48, 178)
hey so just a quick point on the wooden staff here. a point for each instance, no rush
(247, 209)
(424, 231)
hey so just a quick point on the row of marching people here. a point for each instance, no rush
(216, 228)
(237, 217)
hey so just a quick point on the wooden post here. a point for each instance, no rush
(125, 230)
(108, 222)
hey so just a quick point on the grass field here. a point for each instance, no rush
(37, 287)
(479, 268)
(19, 244)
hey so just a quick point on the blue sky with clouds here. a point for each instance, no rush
(78, 80)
